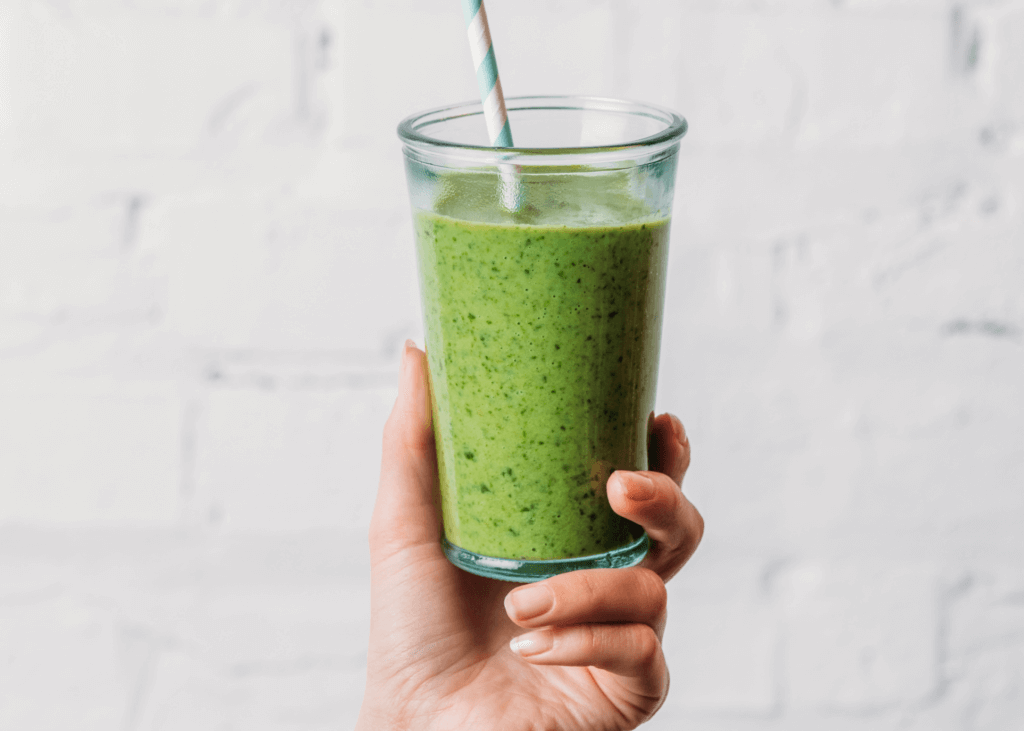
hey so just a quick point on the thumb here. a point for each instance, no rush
(407, 513)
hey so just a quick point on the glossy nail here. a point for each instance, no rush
(528, 602)
(639, 488)
(532, 643)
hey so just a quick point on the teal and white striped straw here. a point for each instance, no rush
(493, 100)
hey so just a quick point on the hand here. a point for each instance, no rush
(448, 648)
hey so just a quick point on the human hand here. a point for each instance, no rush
(448, 648)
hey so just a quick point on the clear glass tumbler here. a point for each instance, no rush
(542, 269)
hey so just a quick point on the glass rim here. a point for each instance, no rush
(409, 129)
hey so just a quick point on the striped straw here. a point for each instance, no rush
(487, 73)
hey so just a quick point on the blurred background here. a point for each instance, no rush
(207, 269)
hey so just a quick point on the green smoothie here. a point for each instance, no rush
(543, 331)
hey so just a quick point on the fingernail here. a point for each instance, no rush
(410, 343)
(639, 488)
(403, 369)
(532, 643)
(528, 602)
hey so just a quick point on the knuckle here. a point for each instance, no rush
(685, 461)
(583, 589)
(669, 507)
(590, 640)
(653, 591)
(690, 530)
(646, 647)
(696, 533)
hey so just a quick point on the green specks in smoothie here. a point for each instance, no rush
(531, 403)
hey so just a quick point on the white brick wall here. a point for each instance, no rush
(206, 271)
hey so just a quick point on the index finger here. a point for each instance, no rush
(673, 524)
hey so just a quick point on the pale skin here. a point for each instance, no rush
(576, 652)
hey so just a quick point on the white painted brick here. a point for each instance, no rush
(983, 658)
(77, 263)
(722, 657)
(736, 477)
(810, 77)
(257, 274)
(727, 73)
(159, 629)
(186, 694)
(360, 179)
(526, 54)
(585, 53)
(296, 628)
(986, 613)
(379, 72)
(56, 647)
(96, 453)
(136, 83)
(876, 81)
(278, 461)
(859, 638)
(913, 264)
(998, 31)
(723, 642)
(985, 694)
(997, 700)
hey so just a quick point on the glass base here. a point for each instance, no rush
(522, 571)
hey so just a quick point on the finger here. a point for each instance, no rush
(630, 651)
(669, 450)
(655, 502)
(406, 512)
(596, 595)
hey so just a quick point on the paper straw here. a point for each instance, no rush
(487, 73)
(495, 114)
